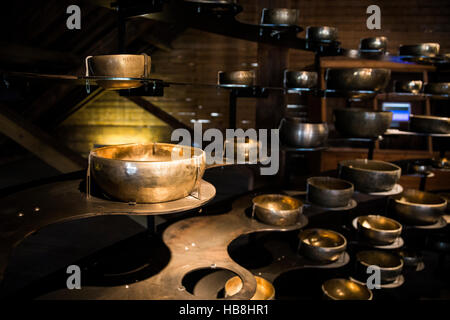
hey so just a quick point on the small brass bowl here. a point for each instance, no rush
(322, 245)
(321, 33)
(373, 43)
(391, 265)
(236, 78)
(329, 192)
(378, 229)
(264, 289)
(344, 289)
(277, 209)
(279, 17)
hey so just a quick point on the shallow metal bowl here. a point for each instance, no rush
(429, 124)
(418, 207)
(354, 122)
(321, 33)
(344, 289)
(296, 132)
(414, 86)
(437, 88)
(264, 289)
(280, 17)
(240, 78)
(300, 79)
(390, 264)
(419, 50)
(373, 44)
(370, 175)
(322, 245)
(147, 173)
(329, 192)
(357, 79)
(119, 66)
(378, 229)
(277, 209)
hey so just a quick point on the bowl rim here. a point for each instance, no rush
(299, 202)
(305, 231)
(431, 205)
(346, 280)
(420, 116)
(398, 267)
(398, 229)
(397, 168)
(118, 55)
(310, 181)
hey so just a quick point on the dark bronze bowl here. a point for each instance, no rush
(239, 78)
(419, 50)
(418, 207)
(280, 17)
(378, 229)
(329, 192)
(357, 79)
(344, 289)
(354, 122)
(429, 124)
(370, 175)
(437, 88)
(300, 79)
(390, 264)
(322, 245)
(414, 86)
(373, 44)
(296, 132)
(277, 209)
(321, 33)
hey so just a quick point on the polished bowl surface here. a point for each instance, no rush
(147, 173)
(370, 175)
(418, 207)
(390, 264)
(329, 192)
(373, 43)
(280, 17)
(378, 229)
(277, 209)
(321, 244)
(296, 132)
(321, 33)
(357, 79)
(264, 289)
(119, 66)
(414, 86)
(300, 79)
(419, 50)
(429, 124)
(242, 150)
(442, 88)
(241, 78)
(355, 122)
(344, 289)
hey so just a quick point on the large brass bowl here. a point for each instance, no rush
(147, 173)
(378, 229)
(389, 264)
(329, 192)
(418, 207)
(419, 50)
(361, 123)
(295, 132)
(429, 124)
(370, 175)
(357, 79)
(277, 209)
(322, 245)
(264, 289)
(119, 66)
(344, 289)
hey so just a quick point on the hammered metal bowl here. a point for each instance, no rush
(277, 209)
(357, 79)
(373, 44)
(429, 124)
(390, 264)
(419, 50)
(439, 88)
(236, 78)
(378, 229)
(322, 245)
(344, 289)
(329, 192)
(296, 132)
(418, 207)
(147, 173)
(321, 33)
(360, 123)
(264, 289)
(119, 66)
(280, 17)
(300, 79)
(370, 175)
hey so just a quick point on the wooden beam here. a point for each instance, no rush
(39, 142)
(159, 113)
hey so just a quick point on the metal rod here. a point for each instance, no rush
(423, 181)
(371, 147)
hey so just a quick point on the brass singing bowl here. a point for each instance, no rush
(119, 66)
(418, 207)
(344, 289)
(329, 192)
(296, 132)
(321, 33)
(370, 175)
(264, 289)
(373, 43)
(429, 124)
(361, 123)
(300, 79)
(147, 173)
(389, 264)
(357, 79)
(322, 245)
(414, 86)
(277, 209)
(378, 229)
(437, 88)
(280, 17)
(241, 78)
(419, 50)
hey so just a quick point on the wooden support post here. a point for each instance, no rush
(38, 142)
